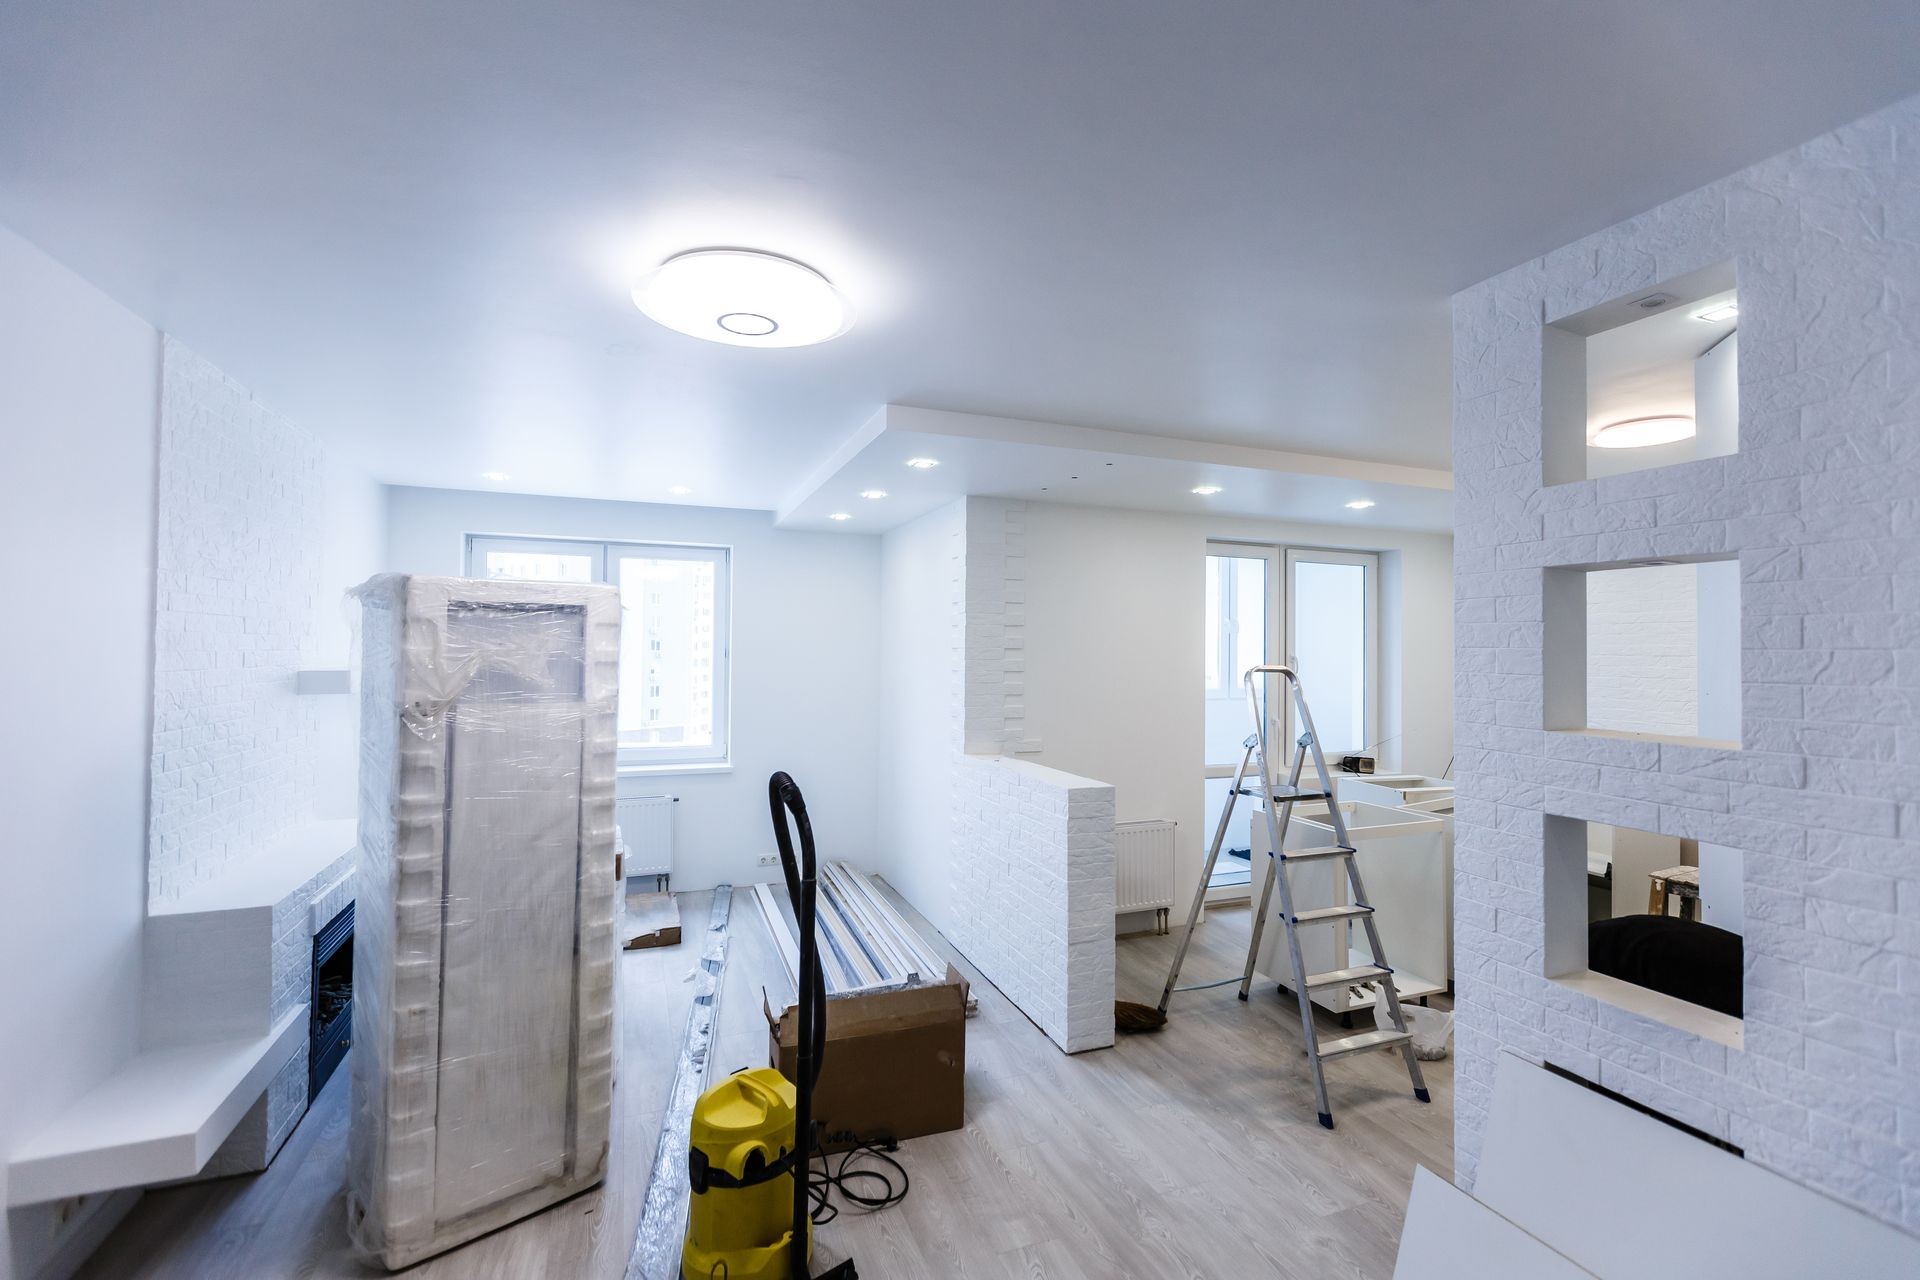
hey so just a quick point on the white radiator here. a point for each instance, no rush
(646, 829)
(1143, 867)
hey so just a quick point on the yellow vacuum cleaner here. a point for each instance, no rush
(740, 1221)
(749, 1155)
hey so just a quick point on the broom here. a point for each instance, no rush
(1129, 1018)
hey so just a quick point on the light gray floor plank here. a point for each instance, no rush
(1189, 1152)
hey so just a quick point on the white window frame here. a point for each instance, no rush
(606, 556)
(1236, 689)
(1370, 714)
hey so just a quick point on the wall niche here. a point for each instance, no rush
(1647, 648)
(1643, 381)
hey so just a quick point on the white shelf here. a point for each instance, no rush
(279, 868)
(161, 1116)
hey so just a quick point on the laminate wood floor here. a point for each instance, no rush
(1189, 1152)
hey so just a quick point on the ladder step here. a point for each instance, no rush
(1365, 1040)
(1285, 794)
(1341, 977)
(1314, 855)
(1323, 915)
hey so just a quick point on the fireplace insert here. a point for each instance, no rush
(330, 1021)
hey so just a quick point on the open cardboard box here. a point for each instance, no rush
(896, 1063)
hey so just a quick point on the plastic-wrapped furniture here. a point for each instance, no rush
(484, 952)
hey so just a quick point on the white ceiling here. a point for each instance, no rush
(1083, 466)
(411, 227)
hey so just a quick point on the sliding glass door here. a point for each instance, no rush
(1325, 606)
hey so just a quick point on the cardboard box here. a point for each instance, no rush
(896, 1064)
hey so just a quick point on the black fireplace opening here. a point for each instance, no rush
(330, 1021)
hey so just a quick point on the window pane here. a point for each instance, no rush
(1330, 647)
(539, 566)
(667, 652)
(1249, 617)
(1236, 639)
(1216, 628)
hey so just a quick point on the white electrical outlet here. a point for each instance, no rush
(769, 860)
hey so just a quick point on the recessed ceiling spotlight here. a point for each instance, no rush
(1206, 490)
(678, 490)
(841, 515)
(1637, 433)
(495, 477)
(873, 495)
(1721, 314)
(744, 298)
(1360, 504)
(923, 464)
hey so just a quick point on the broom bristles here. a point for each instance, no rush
(1129, 1017)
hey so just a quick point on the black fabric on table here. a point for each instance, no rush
(1682, 958)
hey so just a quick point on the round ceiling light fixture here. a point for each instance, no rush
(923, 464)
(743, 298)
(873, 495)
(841, 515)
(1638, 433)
(1206, 490)
(1361, 504)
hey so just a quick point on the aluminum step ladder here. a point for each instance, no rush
(1279, 802)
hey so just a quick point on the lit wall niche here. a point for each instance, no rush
(1643, 381)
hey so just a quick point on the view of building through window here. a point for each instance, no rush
(666, 651)
(673, 601)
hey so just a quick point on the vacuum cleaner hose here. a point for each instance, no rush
(789, 809)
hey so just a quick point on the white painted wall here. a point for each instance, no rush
(805, 661)
(1114, 638)
(1716, 399)
(920, 700)
(78, 411)
(353, 549)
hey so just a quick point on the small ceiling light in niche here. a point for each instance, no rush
(744, 298)
(1721, 314)
(873, 495)
(679, 490)
(841, 515)
(1361, 504)
(495, 477)
(923, 464)
(1638, 433)
(1206, 490)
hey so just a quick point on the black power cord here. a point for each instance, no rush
(869, 1188)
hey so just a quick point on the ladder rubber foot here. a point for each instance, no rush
(1422, 1095)
(1243, 997)
(1326, 1120)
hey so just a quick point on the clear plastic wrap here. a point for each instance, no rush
(485, 947)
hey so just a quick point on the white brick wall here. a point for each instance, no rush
(1033, 892)
(1822, 505)
(994, 660)
(237, 569)
(1643, 650)
(1030, 873)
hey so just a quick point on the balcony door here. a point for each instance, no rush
(1321, 610)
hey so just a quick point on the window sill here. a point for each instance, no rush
(666, 770)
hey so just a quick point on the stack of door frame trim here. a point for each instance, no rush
(865, 944)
